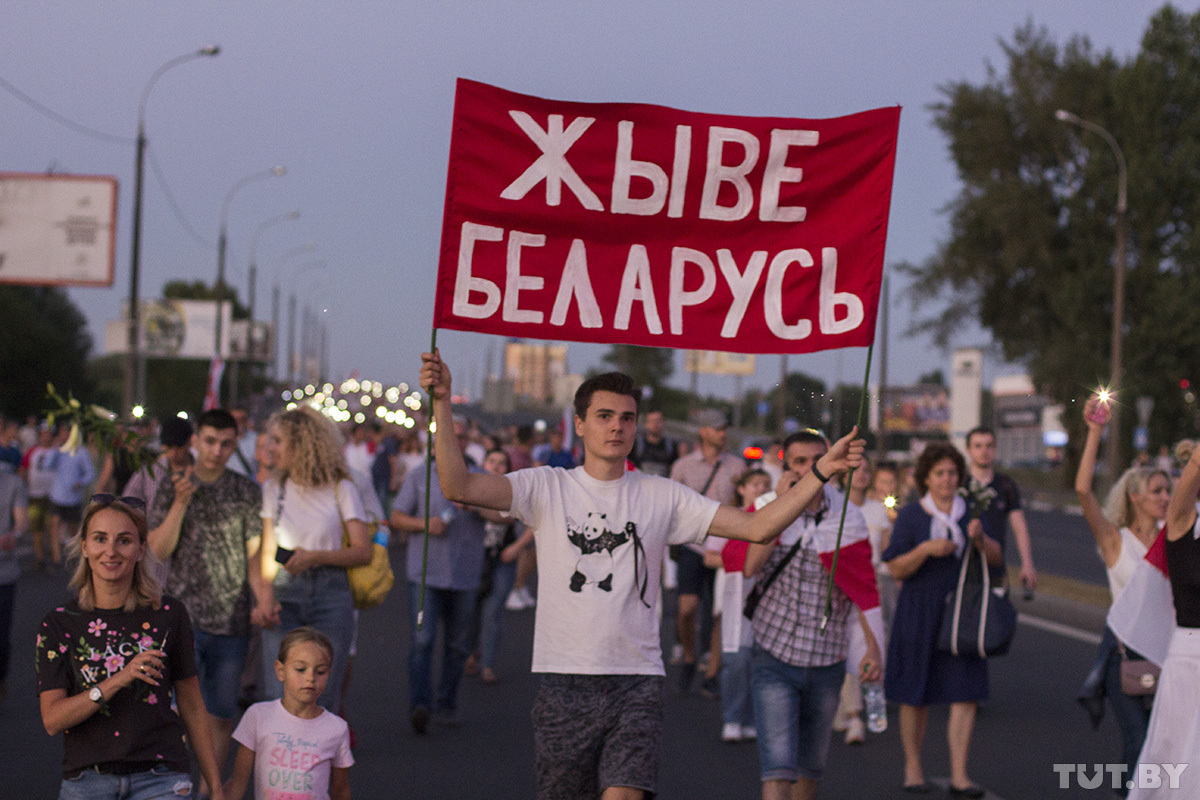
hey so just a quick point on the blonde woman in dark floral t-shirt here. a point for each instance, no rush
(108, 662)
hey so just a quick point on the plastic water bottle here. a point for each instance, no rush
(381, 536)
(876, 707)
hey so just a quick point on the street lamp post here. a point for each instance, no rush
(313, 334)
(135, 368)
(275, 294)
(253, 281)
(273, 172)
(1112, 455)
(291, 337)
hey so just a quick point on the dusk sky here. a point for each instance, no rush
(355, 99)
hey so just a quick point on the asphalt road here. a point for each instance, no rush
(1062, 545)
(1031, 722)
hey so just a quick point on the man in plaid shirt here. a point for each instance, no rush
(798, 669)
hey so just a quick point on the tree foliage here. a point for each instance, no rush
(44, 339)
(1031, 254)
(199, 290)
(648, 366)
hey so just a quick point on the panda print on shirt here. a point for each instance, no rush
(597, 542)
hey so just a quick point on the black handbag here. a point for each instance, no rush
(978, 620)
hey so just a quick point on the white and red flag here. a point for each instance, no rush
(216, 368)
(855, 574)
(1143, 617)
(640, 224)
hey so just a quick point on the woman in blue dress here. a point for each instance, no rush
(928, 543)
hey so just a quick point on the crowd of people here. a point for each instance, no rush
(209, 590)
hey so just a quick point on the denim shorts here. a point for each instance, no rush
(219, 661)
(158, 784)
(794, 709)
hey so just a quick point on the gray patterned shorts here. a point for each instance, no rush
(591, 732)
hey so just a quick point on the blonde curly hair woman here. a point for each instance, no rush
(306, 503)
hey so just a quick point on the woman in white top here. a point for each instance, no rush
(1124, 530)
(306, 503)
(879, 528)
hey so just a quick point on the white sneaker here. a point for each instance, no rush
(527, 597)
(514, 601)
(749, 733)
(855, 731)
(731, 732)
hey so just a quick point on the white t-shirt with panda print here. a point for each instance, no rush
(600, 548)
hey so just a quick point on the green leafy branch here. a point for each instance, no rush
(88, 420)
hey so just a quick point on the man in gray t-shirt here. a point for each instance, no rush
(452, 579)
(14, 520)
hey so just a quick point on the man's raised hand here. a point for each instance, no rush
(435, 375)
(846, 453)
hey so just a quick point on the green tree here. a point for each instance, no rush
(199, 290)
(1031, 247)
(805, 401)
(44, 339)
(648, 366)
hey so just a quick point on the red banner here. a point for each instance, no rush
(639, 224)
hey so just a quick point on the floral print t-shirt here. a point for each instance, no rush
(78, 649)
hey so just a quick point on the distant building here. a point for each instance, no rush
(534, 369)
(1028, 425)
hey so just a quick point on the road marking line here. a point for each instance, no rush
(1059, 628)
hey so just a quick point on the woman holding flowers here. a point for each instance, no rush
(928, 543)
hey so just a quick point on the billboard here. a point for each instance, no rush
(57, 230)
(922, 409)
(718, 362)
(175, 329)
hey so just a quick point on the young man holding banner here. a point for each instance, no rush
(601, 536)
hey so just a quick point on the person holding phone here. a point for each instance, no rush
(306, 503)
(1124, 528)
(109, 663)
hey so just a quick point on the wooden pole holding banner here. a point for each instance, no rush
(862, 407)
(428, 478)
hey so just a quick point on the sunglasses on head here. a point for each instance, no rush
(106, 499)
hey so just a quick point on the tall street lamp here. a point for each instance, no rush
(135, 366)
(1112, 455)
(273, 172)
(309, 247)
(250, 351)
(291, 338)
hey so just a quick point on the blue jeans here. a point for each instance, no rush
(454, 610)
(737, 707)
(1132, 713)
(491, 612)
(156, 784)
(794, 708)
(319, 597)
(220, 660)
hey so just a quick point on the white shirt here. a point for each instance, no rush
(293, 756)
(1132, 553)
(310, 517)
(358, 457)
(600, 551)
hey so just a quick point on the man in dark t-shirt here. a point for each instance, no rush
(207, 520)
(653, 451)
(1004, 509)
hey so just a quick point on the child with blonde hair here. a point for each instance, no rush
(293, 747)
